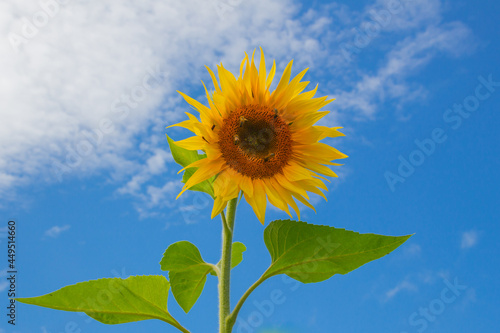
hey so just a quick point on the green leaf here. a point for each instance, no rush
(313, 253)
(187, 272)
(112, 300)
(185, 157)
(236, 255)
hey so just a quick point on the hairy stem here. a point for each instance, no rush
(225, 269)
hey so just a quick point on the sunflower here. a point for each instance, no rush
(260, 142)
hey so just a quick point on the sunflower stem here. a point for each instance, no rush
(225, 268)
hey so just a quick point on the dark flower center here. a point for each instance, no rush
(255, 141)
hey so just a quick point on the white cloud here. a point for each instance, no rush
(154, 165)
(148, 184)
(94, 79)
(469, 239)
(389, 81)
(55, 231)
(409, 15)
(403, 285)
(77, 93)
(159, 194)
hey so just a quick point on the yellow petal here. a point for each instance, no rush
(291, 186)
(319, 168)
(216, 116)
(225, 186)
(229, 86)
(306, 136)
(271, 75)
(214, 80)
(258, 201)
(304, 201)
(311, 188)
(274, 197)
(285, 78)
(219, 205)
(285, 195)
(191, 143)
(304, 96)
(206, 170)
(307, 107)
(329, 132)
(289, 91)
(246, 185)
(294, 172)
(320, 150)
(262, 71)
(308, 119)
(202, 109)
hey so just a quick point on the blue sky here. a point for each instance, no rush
(405, 75)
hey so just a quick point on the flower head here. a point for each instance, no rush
(260, 142)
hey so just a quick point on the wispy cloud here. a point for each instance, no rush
(154, 165)
(389, 81)
(80, 105)
(148, 183)
(401, 286)
(469, 239)
(77, 105)
(156, 197)
(55, 231)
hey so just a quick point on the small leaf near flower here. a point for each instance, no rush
(187, 272)
(185, 157)
(236, 255)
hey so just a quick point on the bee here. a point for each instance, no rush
(213, 126)
(268, 157)
(243, 120)
(275, 113)
(236, 139)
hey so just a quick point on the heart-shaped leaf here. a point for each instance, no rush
(237, 253)
(187, 272)
(313, 253)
